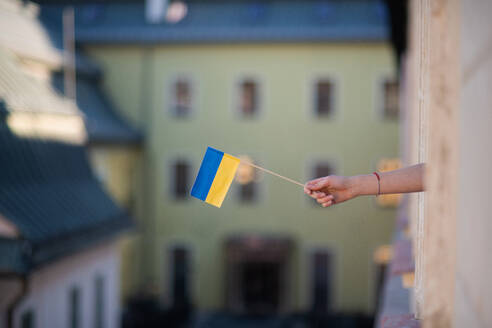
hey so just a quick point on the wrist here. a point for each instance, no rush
(354, 183)
(363, 185)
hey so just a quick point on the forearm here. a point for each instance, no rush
(405, 180)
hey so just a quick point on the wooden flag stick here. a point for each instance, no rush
(273, 173)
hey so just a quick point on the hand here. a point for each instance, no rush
(330, 190)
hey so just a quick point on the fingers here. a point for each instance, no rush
(326, 199)
(318, 184)
(321, 197)
(329, 203)
(317, 194)
(314, 194)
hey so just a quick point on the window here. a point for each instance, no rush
(248, 98)
(99, 302)
(390, 100)
(182, 98)
(180, 258)
(324, 98)
(321, 280)
(74, 301)
(322, 169)
(247, 181)
(181, 174)
(27, 319)
(248, 192)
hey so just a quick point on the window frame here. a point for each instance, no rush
(172, 178)
(380, 99)
(168, 270)
(335, 253)
(77, 312)
(261, 194)
(313, 97)
(170, 102)
(236, 97)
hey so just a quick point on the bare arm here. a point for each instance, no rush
(408, 179)
(336, 189)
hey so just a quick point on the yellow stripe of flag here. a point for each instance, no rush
(223, 179)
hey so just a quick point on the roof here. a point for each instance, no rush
(26, 36)
(23, 92)
(48, 191)
(43, 42)
(102, 123)
(230, 21)
(13, 256)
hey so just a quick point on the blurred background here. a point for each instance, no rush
(107, 107)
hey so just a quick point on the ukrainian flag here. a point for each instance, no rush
(215, 176)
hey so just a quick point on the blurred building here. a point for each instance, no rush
(305, 88)
(59, 230)
(440, 271)
(113, 144)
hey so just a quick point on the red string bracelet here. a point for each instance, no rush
(379, 182)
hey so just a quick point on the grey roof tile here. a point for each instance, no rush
(13, 257)
(48, 191)
(26, 93)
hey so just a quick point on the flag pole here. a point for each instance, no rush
(273, 173)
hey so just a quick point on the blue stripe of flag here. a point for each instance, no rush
(207, 172)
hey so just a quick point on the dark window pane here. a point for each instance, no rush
(182, 98)
(99, 302)
(249, 99)
(27, 319)
(181, 179)
(391, 101)
(248, 192)
(248, 189)
(180, 265)
(75, 307)
(324, 101)
(261, 286)
(321, 281)
(322, 170)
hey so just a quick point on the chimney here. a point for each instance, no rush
(155, 10)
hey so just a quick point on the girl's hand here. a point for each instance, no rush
(335, 189)
(331, 190)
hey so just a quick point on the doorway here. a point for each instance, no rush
(257, 274)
